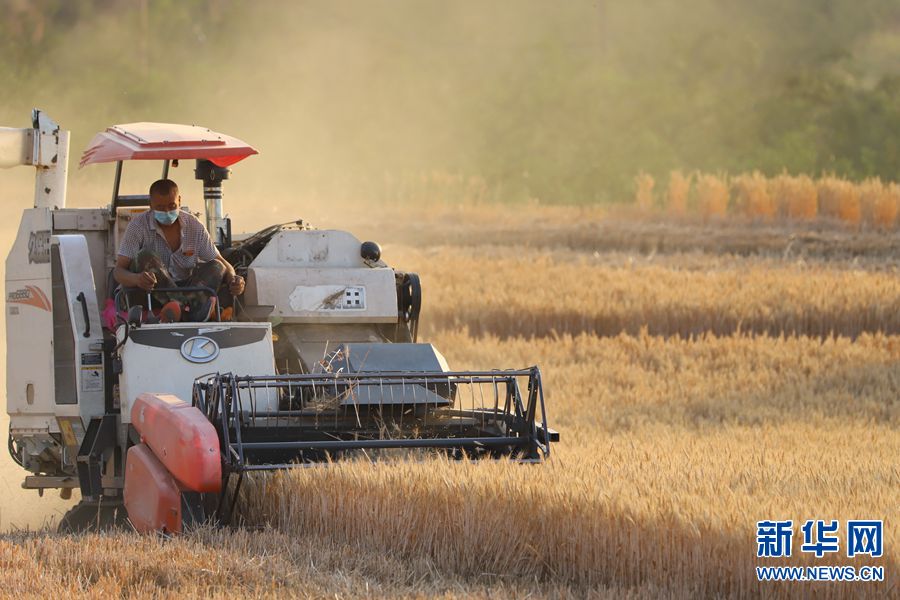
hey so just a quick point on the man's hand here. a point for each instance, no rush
(236, 285)
(145, 280)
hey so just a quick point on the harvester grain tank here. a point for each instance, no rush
(320, 359)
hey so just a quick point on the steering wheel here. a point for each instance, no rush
(123, 292)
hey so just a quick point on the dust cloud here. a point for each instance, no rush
(350, 104)
(24, 509)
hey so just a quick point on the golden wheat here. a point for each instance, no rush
(795, 197)
(712, 196)
(675, 441)
(752, 196)
(518, 291)
(644, 184)
(757, 197)
(658, 445)
(234, 564)
(672, 451)
(879, 203)
(677, 193)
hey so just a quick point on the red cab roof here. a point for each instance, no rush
(164, 141)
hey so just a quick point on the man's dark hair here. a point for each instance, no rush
(163, 187)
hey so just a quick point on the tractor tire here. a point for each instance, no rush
(93, 516)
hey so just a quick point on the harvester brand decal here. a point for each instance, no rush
(30, 295)
(199, 349)
(39, 246)
(229, 337)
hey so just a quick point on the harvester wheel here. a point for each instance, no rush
(93, 516)
(409, 302)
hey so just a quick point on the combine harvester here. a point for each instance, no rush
(161, 422)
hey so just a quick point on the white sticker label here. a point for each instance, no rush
(318, 298)
(91, 379)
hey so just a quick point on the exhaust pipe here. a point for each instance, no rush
(212, 176)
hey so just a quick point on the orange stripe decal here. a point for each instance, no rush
(43, 296)
(30, 295)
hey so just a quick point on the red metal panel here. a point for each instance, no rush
(182, 438)
(152, 498)
(164, 141)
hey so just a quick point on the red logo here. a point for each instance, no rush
(30, 295)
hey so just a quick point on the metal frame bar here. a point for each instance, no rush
(221, 398)
(253, 439)
(467, 442)
(117, 180)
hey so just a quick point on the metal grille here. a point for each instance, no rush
(291, 421)
(278, 421)
(65, 383)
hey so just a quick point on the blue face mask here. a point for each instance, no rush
(165, 217)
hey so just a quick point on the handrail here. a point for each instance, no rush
(84, 311)
(295, 377)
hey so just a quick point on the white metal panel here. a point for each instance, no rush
(29, 324)
(29, 256)
(326, 248)
(94, 225)
(320, 277)
(51, 152)
(80, 219)
(23, 423)
(164, 370)
(79, 279)
(319, 295)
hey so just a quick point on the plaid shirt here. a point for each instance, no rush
(196, 246)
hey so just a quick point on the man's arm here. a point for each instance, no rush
(207, 251)
(125, 278)
(235, 282)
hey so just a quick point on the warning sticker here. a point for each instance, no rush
(91, 379)
(91, 372)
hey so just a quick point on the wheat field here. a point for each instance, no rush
(870, 203)
(696, 390)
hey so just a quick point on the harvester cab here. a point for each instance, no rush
(161, 422)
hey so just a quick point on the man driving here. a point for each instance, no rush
(167, 247)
